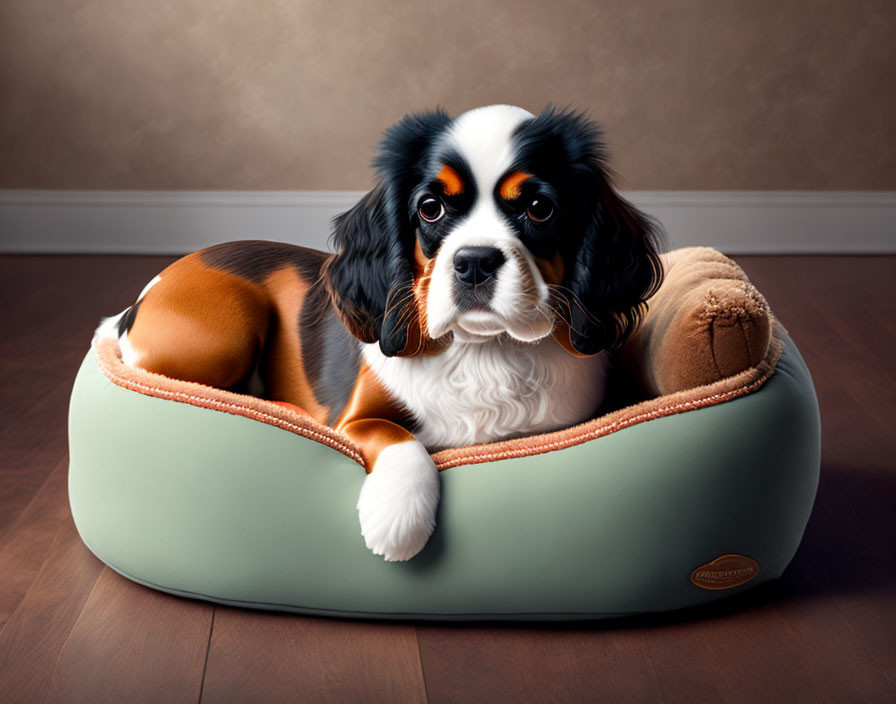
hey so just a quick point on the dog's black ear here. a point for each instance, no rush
(370, 278)
(361, 274)
(616, 268)
(611, 259)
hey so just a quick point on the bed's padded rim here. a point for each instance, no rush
(108, 357)
(109, 361)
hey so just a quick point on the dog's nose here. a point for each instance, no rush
(473, 265)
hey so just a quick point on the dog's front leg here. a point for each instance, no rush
(398, 502)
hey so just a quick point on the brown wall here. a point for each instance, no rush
(291, 94)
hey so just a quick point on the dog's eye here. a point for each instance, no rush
(540, 210)
(431, 209)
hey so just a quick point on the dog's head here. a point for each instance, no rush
(495, 222)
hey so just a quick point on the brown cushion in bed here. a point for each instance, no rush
(706, 322)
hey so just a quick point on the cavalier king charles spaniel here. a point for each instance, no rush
(472, 297)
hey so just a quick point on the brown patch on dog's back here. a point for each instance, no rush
(200, 324)
(284, 368)
(213, 312)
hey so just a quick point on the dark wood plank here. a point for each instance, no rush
(31, 444)
(265, 657)
(771, 645)
(24, 551)
(536, 664)
(22, 474)
(133, 644)
(34, 635)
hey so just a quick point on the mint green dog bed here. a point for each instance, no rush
(675, 500)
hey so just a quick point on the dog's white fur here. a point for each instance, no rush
(481, 392)
(398, 501)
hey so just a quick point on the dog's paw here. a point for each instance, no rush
(398, 502)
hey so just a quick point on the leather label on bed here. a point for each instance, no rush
(725, 572)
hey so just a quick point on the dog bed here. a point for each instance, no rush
(697, 485)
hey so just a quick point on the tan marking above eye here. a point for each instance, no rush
(510, 186)
(451, 181)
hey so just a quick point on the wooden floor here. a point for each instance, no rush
(73, 630)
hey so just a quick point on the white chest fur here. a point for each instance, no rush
(482, 392)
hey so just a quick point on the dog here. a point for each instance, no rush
(473, 296)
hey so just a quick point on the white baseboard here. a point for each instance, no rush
(173, 222)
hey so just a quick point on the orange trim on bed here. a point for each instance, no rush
(292, 419)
